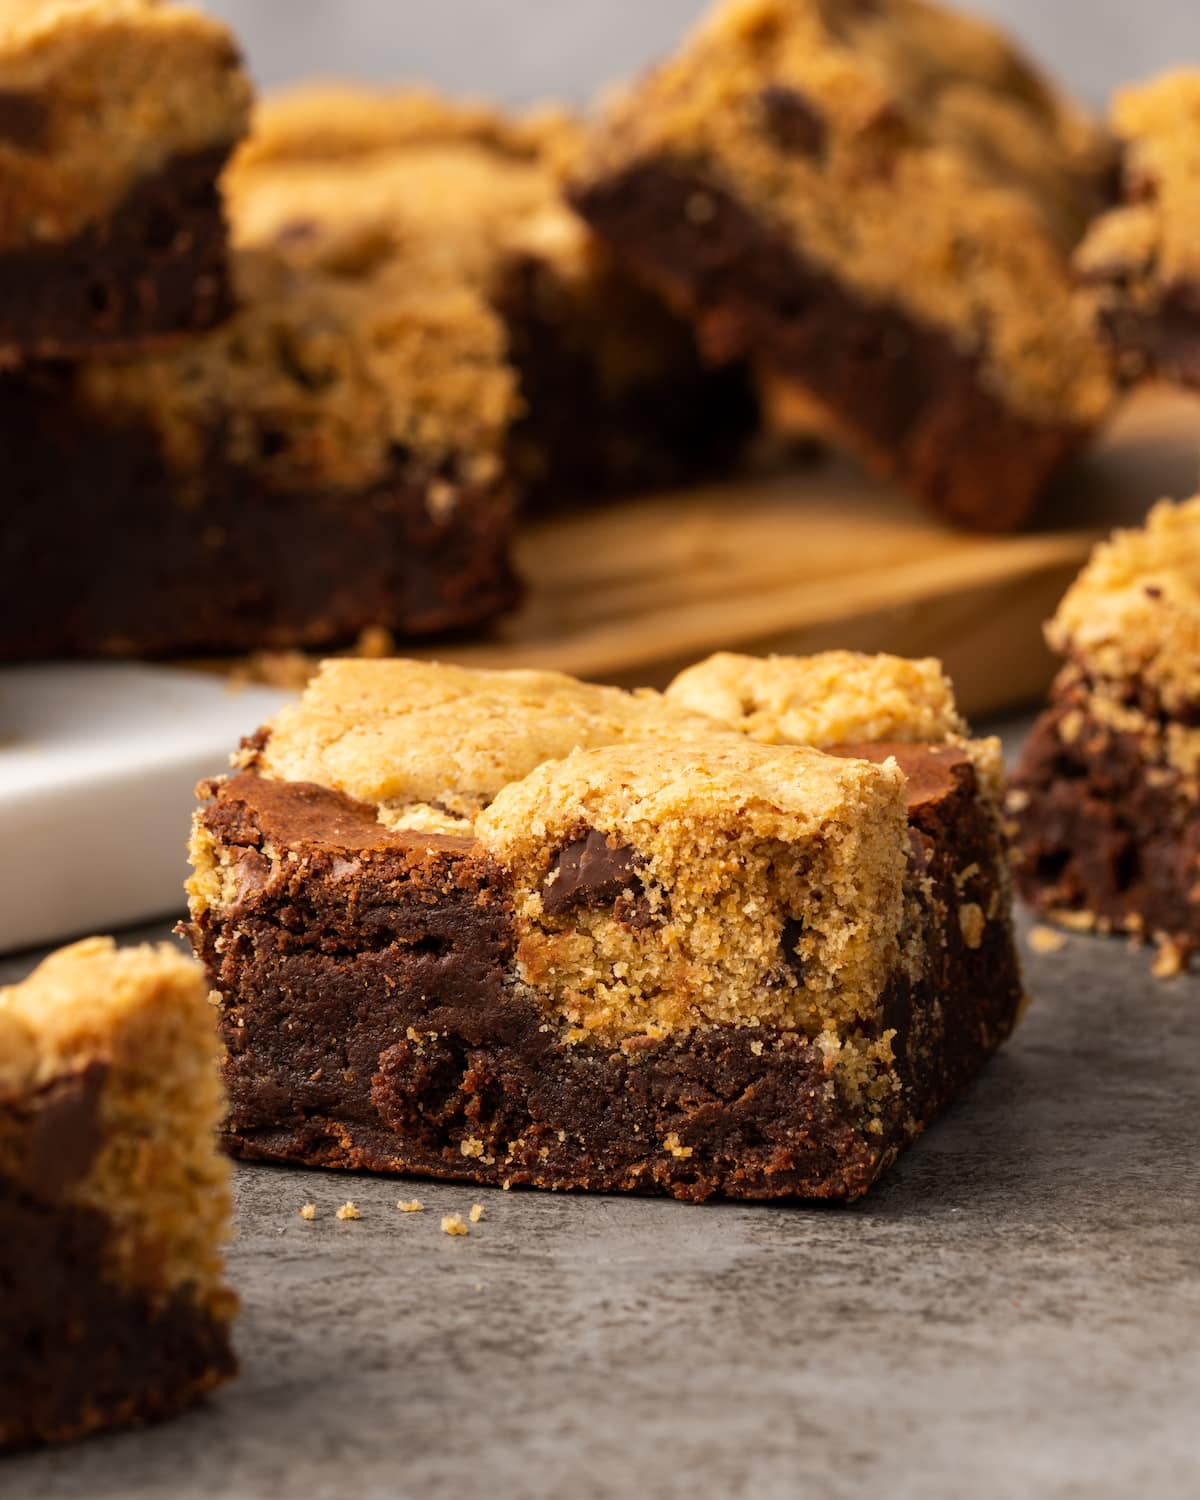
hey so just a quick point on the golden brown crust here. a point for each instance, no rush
(1133, 614)
(431, 746)
(828, 120)
(832, 698)
(117, 88)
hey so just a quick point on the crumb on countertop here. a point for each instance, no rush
(1046, 940)
(308, 1211)
(410, 1206)
(348, 1210)
(476, 1213)
(1169, 961)
(453, 1224)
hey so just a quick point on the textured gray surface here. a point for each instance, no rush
(525, 49)
(1014, 1312)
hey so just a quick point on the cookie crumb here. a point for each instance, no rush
(972, 922)
(1169, 961)
(308, 1211)
(476, 1213)
(1046, 940)
(676, 1147)
(348, 1210)
(411, 1206)
(453, 1224)
(472, 1146)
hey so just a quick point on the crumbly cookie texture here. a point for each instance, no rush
(762, 886)
(142, 1016)
(330, 367)
(432, 745)
(836, 698)
(474, 190)
(475, 185)
(832, 698)
(100, 94)
(1143, 258)
(1132, 617)
(829, 119)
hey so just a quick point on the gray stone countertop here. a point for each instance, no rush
(1013, 1312)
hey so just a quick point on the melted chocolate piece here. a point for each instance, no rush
(50, 1138)
(590, 871)
(792, 122)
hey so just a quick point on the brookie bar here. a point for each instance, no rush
(613, 393)
(875, 204)
(512, 928)
(1106, 800)
(116, 118)
(1142, 259)
(114, 1200)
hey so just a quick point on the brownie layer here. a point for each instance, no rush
(1164, 340)
(585, 436)
(370, 1022)
(155, 267)
(105, 551)
(79, 1352)
(899, 389)
(1105, 830)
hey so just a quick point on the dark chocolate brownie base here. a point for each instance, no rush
(77, 1353)
(1165, 342)
(1104, 832)
(900, 390)
(101, 553)
(585, 439)
(155, 268)
(370, 1022)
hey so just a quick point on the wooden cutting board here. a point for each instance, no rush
(822, 556)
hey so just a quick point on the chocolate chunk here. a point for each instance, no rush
(24, 121)
(792, 121)
(592, 871)
(49, 1141)
(793, 931)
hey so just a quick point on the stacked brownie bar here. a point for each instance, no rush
(116, 117)
(513, 928)
(1143, 258)
(613, 394)
(114, 1201)
(1106, 800)
(424, 333)
(875, 203)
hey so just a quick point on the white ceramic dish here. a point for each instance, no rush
(97, 768)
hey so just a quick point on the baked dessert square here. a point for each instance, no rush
(613, 393)
(116, 118)
(1105, 801)
(511, 928)
(114, 1200)
(875, 203)
(1142, 259)
(334, 457)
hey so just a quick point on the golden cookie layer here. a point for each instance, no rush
(121, 87)
(832, 119)
(140, 1015)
